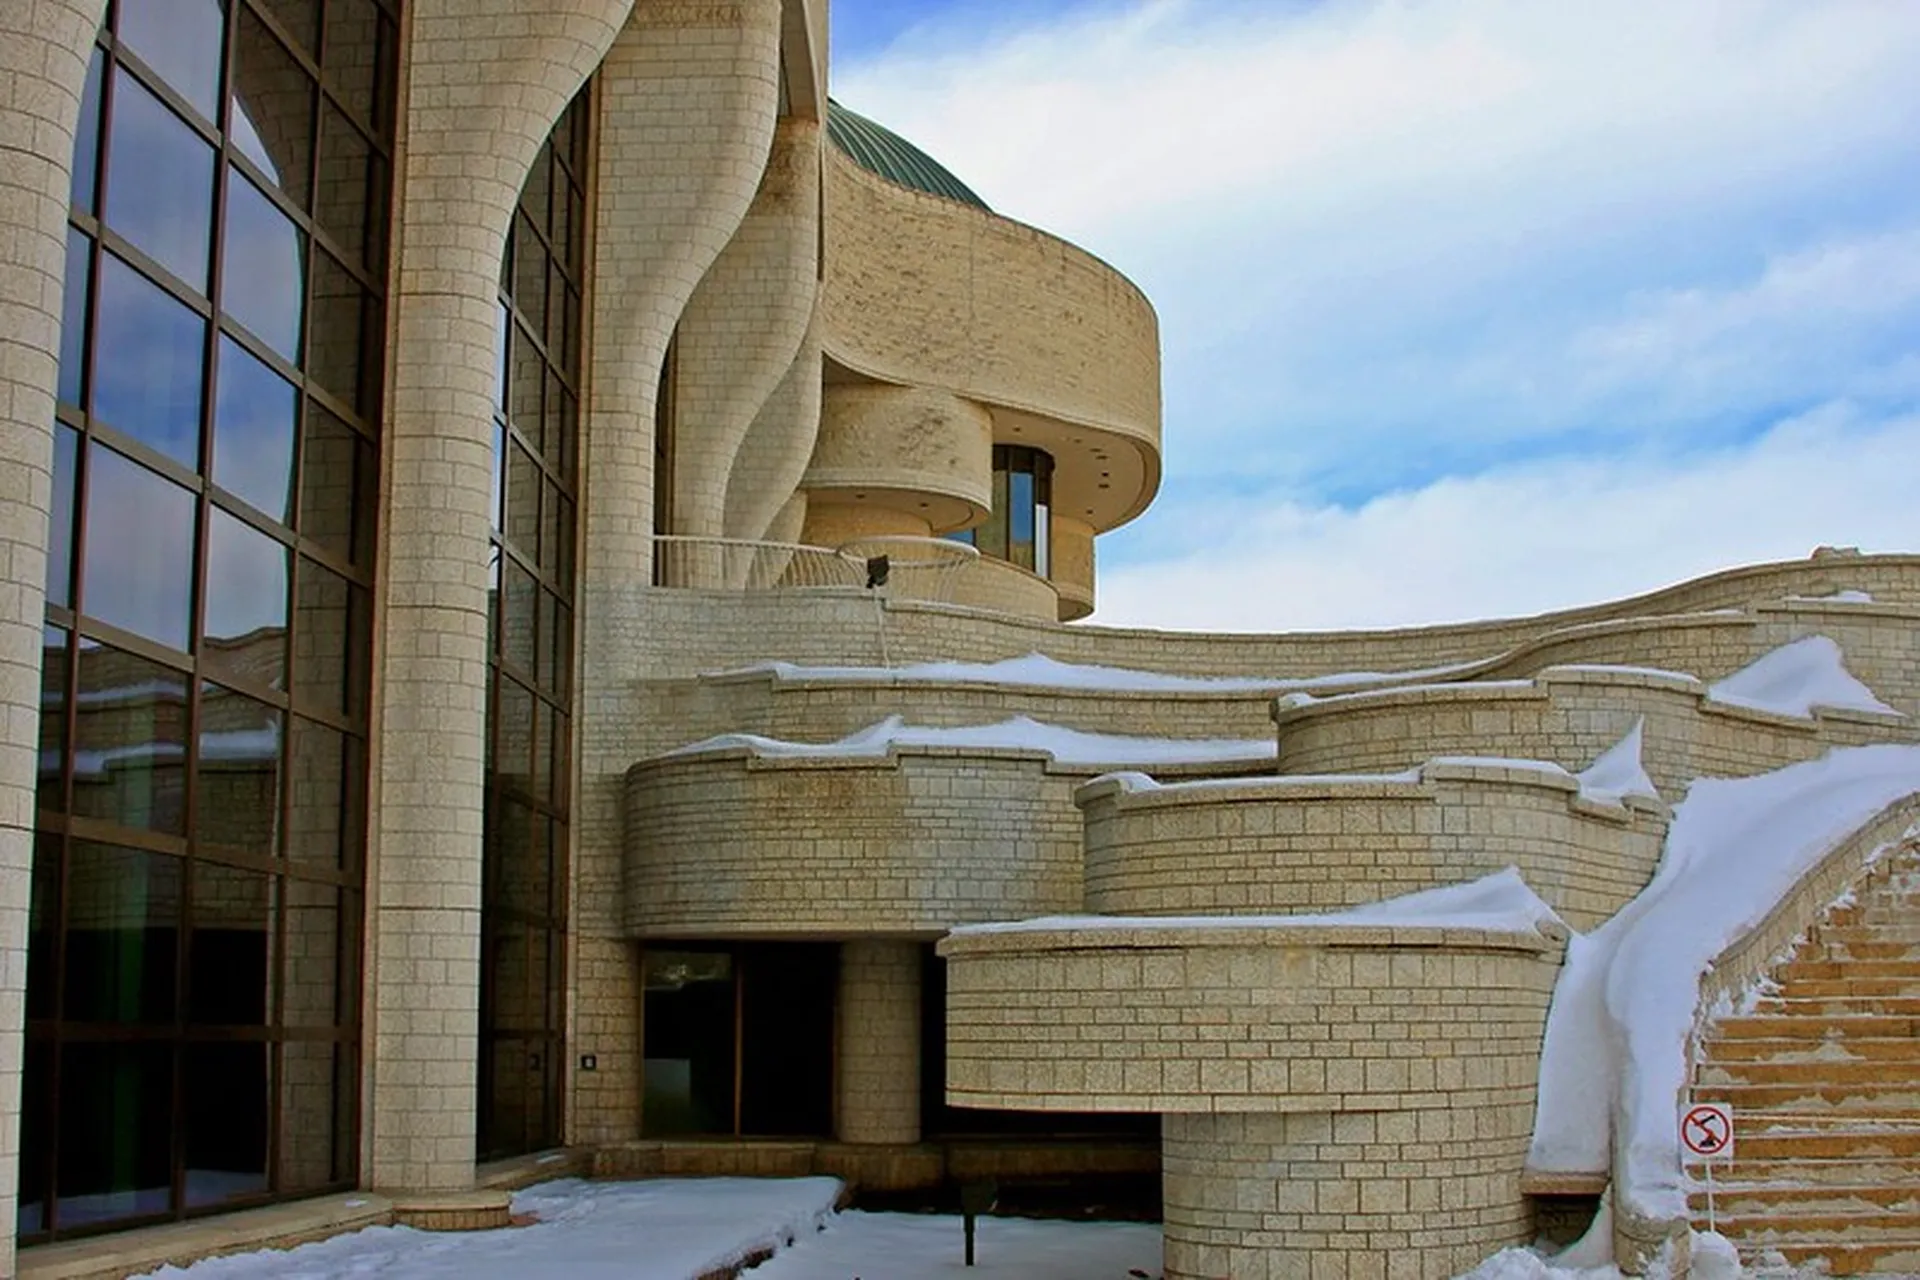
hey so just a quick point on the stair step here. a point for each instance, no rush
(1817, 1161)
(1768, 1229)
(1829, 970)
(1827, 1049)
(1746, 1200)
(1840, 1006)
(1803, 1026)
(1845, 1257)
(1897, 1100)
(1847, 988)
(1825, 1073)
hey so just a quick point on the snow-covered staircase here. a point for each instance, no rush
(1824, 1077)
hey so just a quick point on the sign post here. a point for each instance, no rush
(1706, 1139)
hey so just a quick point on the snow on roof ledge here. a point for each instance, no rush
(1498, 903)
(1062, 745)
(1796, 679)
(1038, 671)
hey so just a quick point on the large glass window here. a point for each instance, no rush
(530, 710)
(193, 1029)
(1020, 528)
(739, 1040)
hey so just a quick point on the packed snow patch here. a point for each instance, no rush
(1615, 1060)
(1038, 671)
(915, 1246)
(1065, 746)
(1796, 678)
(670, 1229)
(1500, 902)
(1618, 773)
(1834, 597)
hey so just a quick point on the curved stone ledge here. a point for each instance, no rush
(1000, 587)
(726, 843)
(928, 450)
(1269, 1017)
(1303, 844)
(1568, 716)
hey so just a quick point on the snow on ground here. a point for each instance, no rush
(1066, 746)
(914, 1246)
(1615, 1059)
(1500, 902)
(671, 1229)
(1796, 678)
(1038, 671)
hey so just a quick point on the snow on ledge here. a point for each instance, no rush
(1834, 597)
(1618, 773)
(1796, 678)
(1038, 671)
(1500, 903)
(1065, 746)
(1615, 1060)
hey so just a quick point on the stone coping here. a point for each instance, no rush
(754, 761)
(1149, 933)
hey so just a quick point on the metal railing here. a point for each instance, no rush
(915, 568)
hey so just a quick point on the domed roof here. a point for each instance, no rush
(880, 150)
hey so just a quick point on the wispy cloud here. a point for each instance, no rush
(1397, 244)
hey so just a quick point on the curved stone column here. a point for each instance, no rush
(744, 326)
(767, 469)
(878, 1083)
(44, 47)
(688, 97)
(486, 81)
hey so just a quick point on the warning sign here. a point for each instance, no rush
(1706, 1133)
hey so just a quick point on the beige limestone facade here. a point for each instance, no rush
(479, 482)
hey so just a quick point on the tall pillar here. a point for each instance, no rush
(44, 47)
(688, 97)
(485, 82)
(742, 331)
(879, 1053)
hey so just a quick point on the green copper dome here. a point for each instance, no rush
(878, 149)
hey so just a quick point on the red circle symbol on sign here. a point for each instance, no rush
(1705, 1130)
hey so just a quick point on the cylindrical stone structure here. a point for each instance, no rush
(44, 45)
(878, 1087)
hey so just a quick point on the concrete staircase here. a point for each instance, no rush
(1824, 1077)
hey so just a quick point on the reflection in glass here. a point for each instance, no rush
(86, 138)
(115, 1143)
(513, 747)
(518, 600)
(147, 370)
(224, 1128)
(1020, 518)
(311, 984)
(66, 466)
(319, 765)
(350, 177)
(336, 317)
(138, 566)
(272, 117)
(238, 773)
(265, 267)
(337, 485)
(53, 719)
(73, 317)
(689, 1038)
(43, 924)
(524, 386)
(159, 182)
(123, 923)
(36, 1136)
(129, 740)
(246, 623)
(298, 18)
(181, 40)
(356, 40)
(523, 501)
(229, 960)
(331, 620)
(253, 413)
(317, 1138)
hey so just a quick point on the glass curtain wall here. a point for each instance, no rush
(193, 987)
(1020, 528)
(529, 710)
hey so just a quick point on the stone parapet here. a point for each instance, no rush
(1316, 844)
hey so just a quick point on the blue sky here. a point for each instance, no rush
(1468, 307)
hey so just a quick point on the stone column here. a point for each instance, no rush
(485, 82)
(44, 48)
(688, 98)
(879, 1028)
(742, 331)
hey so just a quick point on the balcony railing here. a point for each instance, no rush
(915, 568)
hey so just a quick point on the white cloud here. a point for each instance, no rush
(1519, 540)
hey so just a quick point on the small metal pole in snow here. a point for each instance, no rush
(1711, 1224)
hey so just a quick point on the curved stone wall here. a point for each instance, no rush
(927, 292)
(1073, 559)
(730, 844)
(1286, 845)
(1567, 716)
(932, 449)
(1359, 1094)
(1001, 587)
